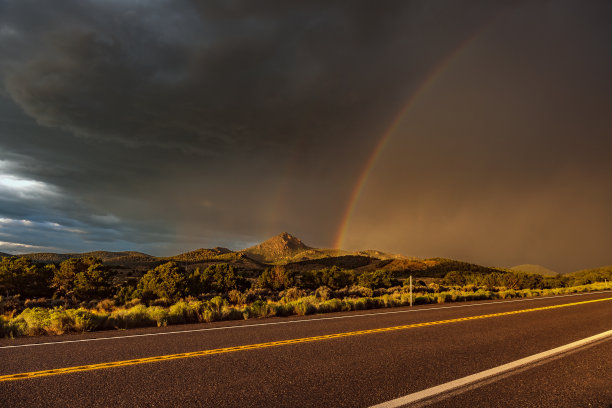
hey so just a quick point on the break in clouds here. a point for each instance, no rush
(174, 125)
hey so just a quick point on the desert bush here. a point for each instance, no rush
(304, 306)
(11, 328)
(323, 293)
(260, 308)
(60, 321)
(422, 299)
(135, 316)
(39, 302)
(292, 294)
(365, 303)
(182, 312)
(507, 294)
(284, 309)
(231, 313)
(236, 297)
(125, 293)
(163, 302)
(159, 315)
(253, 294)
(36, 320)
(360, 291)
(132, 303)
(86, 320)
(330, 306)
(9, 304)
(106, 305)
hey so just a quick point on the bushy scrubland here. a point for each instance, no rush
(82, 294)
(43, 321)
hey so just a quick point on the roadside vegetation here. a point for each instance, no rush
(83, 294)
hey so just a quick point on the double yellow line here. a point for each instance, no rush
(145, 360)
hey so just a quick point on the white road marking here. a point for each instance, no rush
(483, 375)
(294, 321)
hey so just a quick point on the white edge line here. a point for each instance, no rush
(462, 382)
(296, 321)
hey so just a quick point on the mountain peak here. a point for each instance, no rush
(284, 242)
(279, 246)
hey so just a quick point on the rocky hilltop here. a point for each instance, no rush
(283, 246)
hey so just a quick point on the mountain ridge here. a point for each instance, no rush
(288, 251)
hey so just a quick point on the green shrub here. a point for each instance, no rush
(330, 306)
(421, 300)
(12, 328)
(60, 321)
(85, 320)
(260, 308)
(292, 294)
(360, 291)
(304, 306)
(36, 320)
(236, 297)
(232, 313)
(182, 312)
(136, 316)
(159, 314)
(284, 309)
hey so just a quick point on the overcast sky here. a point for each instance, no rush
(166, 126)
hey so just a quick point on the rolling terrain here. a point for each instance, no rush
(292, 254)
(530, 268)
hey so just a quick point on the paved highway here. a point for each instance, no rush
(346, 360)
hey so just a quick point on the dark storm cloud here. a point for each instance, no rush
(168, 125)
(210, 76)
(170, 112)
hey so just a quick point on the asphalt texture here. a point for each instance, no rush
(353, 371)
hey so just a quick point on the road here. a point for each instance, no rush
(380, 355)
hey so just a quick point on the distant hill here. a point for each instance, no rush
(538, 269)
(283, 249)
(592, 275)
(293, 254)
(204, 254)
(277, 249)
(124, 258)
(2, 255)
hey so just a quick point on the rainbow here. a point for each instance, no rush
(397, 120)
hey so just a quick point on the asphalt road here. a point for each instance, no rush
(351, 371)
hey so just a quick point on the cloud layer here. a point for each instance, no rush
(172, 125)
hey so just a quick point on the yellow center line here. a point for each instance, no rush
(145, 360)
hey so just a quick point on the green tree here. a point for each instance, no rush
(454, 278)
(22, 276)
(83, 278)
(169, 280)
(218, 278)
(334, 278)
(380, 278)
(277, 278)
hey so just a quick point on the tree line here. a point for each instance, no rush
(87, 278)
